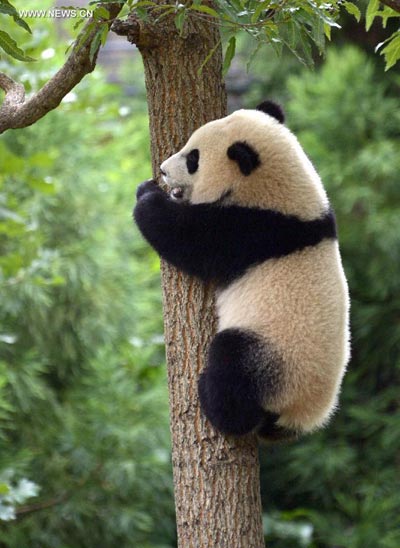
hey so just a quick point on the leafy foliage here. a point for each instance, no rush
(298, 25)
(301, 26)
(83, 403)
(7, 43)
(390, 48)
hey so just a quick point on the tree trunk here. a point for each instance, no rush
(216, 478)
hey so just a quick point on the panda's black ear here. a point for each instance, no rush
(244, 155)
(273, 109)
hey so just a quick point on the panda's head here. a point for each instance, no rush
(248, 158)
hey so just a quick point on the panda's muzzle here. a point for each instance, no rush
(174, 179)
(177, 193)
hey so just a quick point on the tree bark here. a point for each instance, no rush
(216, 478)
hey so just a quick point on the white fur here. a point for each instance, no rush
(299, 304)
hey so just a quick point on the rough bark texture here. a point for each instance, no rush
(216, 479)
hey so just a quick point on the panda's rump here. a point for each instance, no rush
(299, 305)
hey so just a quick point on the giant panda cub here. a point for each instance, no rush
(247, 210)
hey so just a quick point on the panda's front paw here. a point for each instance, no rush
(147, 187)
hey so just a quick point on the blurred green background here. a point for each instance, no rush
(84, 434)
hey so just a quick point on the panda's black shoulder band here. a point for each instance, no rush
(256, 235)
(217, 242)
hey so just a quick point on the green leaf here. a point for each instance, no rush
(229, 54)
(10, 46)
(305, 47)
(101, 13)
(78, 23)
(253, 55)
(386, 14)
(327, 31)
(392, 51)
(353, 10)
(104, 34)
(318, 35)
(372, 10)
(23, 24)
(179, 20)
(42, 186)
(204, 9)
(4, 489)
(262, 6)
(10, 10)
(94, 46)
(83, 36)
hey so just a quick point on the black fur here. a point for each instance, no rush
(217, 242)
(147, 186)
(240, 371)
(273, 109)
(192, 161)
(271, 431)
(245, 155)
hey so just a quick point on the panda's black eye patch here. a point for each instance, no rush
(245, 155)
(192, 161)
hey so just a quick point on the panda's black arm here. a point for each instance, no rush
(215, 242)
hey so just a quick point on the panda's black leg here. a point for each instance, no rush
(231, 386)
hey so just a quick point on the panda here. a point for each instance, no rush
(247, 210)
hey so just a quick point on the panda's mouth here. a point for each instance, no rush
(177, 192)
(177, 189)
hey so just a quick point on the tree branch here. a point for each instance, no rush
(16, 112)
(142, 34)
(394, 4)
